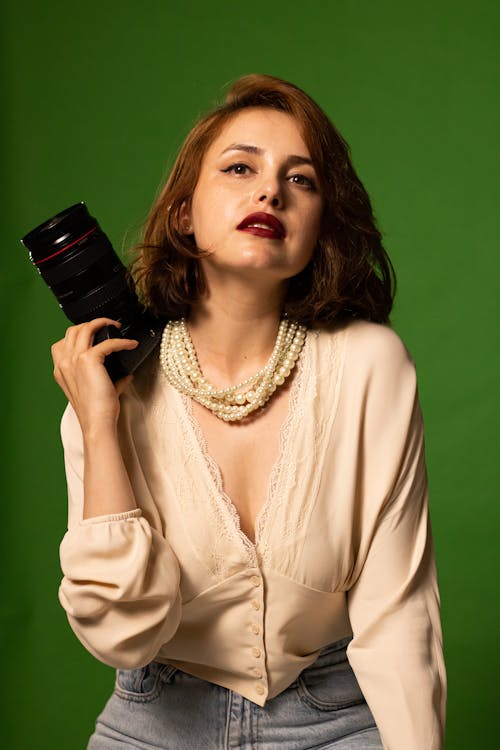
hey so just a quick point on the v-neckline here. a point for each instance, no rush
(272, 484)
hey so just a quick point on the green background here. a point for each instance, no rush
(97, 98)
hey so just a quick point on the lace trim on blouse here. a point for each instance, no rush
(293, 481)
(288, 428)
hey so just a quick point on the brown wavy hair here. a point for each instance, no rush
(349, 275)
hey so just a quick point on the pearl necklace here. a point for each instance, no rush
(180, 364)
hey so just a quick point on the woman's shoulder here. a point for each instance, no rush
(368, 347)
(377, 341)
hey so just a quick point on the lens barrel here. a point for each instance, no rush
(78, 263)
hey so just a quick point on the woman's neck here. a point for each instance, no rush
(234, 333)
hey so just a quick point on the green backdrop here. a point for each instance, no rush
(97, 98)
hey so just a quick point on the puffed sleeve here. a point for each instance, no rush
(120, 587)
(396, 650)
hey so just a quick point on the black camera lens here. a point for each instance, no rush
(78, 263)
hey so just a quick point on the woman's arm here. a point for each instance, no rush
(121, 579)
(396, 651)
(79, 370)
(106, 482)
(393, 604)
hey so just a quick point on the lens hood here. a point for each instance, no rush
(77, 262)
(59, 233)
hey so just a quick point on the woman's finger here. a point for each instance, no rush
(100, 351)
(81, 336)
(114, 345)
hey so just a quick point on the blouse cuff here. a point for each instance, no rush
(135, 513)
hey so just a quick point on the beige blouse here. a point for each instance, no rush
(343, 542)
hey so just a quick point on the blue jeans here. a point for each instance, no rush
(159, 707)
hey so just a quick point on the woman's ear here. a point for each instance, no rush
(185, 223)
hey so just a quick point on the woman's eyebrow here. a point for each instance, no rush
(292, 160)
(243, 147)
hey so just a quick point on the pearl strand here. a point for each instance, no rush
(180, 365)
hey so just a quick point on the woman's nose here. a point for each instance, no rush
(269, 192)
(274, 201)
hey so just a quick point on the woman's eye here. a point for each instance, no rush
(301, 179)
(239, 169)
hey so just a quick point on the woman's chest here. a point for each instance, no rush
(245, 454)
(264, 492)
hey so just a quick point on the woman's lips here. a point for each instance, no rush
(263, 225)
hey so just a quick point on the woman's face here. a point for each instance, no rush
(257, 206)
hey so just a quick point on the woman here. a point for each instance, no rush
(248, 540)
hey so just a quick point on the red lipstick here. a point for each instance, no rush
(263, 225)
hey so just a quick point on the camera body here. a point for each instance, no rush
(78, 263)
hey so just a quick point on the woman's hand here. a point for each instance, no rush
(79, 370)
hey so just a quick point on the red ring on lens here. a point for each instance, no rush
(66, 247)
